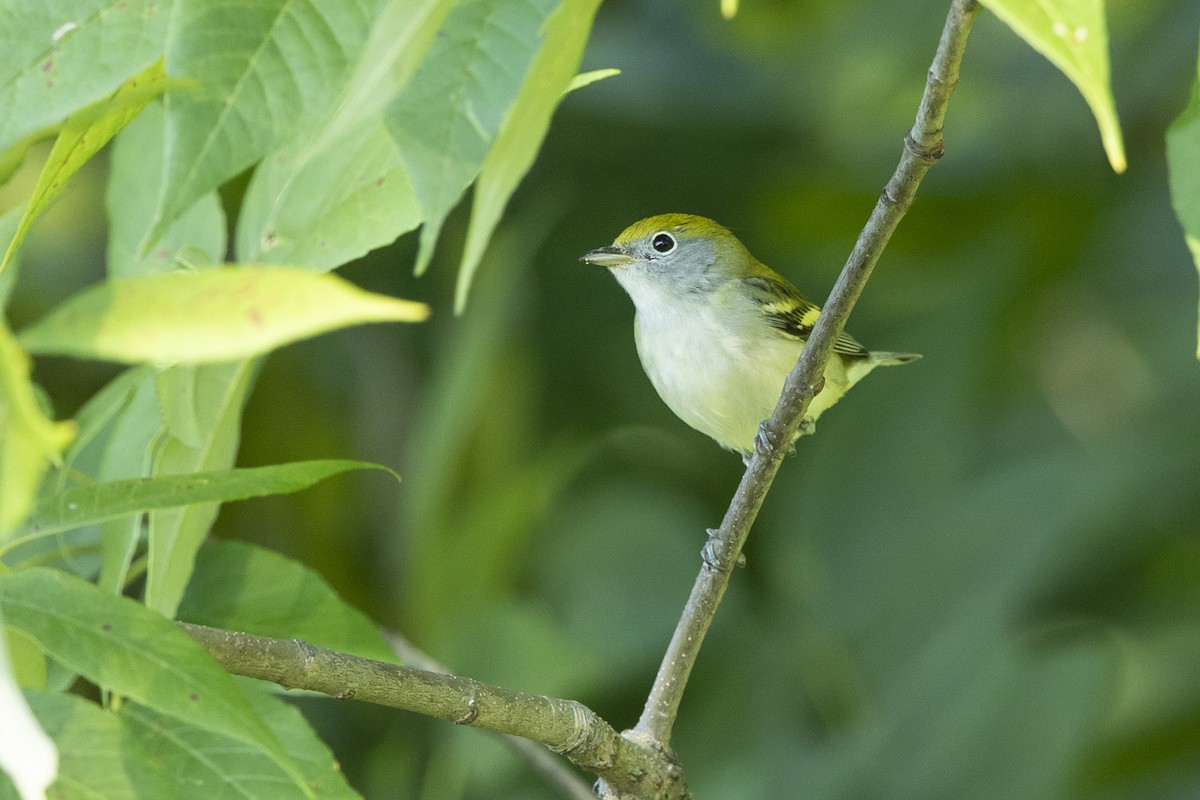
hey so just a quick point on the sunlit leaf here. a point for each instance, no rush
(30, 441)
(521, 135)
(133, 651)
(56, 58)
(243, 587)
(82, 136)
(1183, 169)
(588, 78)
(1073, 35)
(209, 315)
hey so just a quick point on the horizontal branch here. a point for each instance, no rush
(556, 772)
(565, 726)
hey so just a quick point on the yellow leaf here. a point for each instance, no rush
(211, 315)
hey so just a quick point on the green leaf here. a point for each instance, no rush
(200, 760)
(95, 420)
(196, 420)
(246, 588)
(1072, 34)
(135, 175)
(139, 754)
(340, 189)
(217, 394)
(265, 70)
(210, 315)
(8, 228)
(26, 752)
(400, 36)
(584, 79)
(1183, 171)
(26, 660)
(30, 440)
(56, 58)
(99, 757)
(521, 135)
(326, 210)
(120, 429)
(85, 132)
(87, 505)
(446, 120)
(127, 648)
(135, 435)
(12, 158)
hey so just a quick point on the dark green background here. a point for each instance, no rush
(981, 578)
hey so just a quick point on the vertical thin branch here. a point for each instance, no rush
(922, 148)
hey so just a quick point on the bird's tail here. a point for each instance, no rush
(891, 359)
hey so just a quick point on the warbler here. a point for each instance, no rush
(718, 331)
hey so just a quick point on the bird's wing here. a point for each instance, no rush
(792, 313)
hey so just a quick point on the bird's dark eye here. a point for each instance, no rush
(663, 242)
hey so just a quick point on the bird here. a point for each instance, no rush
(717, 331)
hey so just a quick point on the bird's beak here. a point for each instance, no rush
(607, 257)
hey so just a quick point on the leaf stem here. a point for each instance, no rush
(923, 146)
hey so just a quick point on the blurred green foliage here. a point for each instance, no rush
(981, 579)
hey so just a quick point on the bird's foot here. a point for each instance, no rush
(765, 444)
(713, 550)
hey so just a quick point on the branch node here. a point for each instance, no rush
(308, 655)
(471, 713)
(935, 79)
(926, 152)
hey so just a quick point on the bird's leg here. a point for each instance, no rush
(711, 552)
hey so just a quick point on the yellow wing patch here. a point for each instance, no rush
(792, 313)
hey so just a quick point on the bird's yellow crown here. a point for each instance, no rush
(688, 225)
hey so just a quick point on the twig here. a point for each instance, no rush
(922, 148)
(549, 766)
(567, 727)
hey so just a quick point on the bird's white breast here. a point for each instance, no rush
(720, 382)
